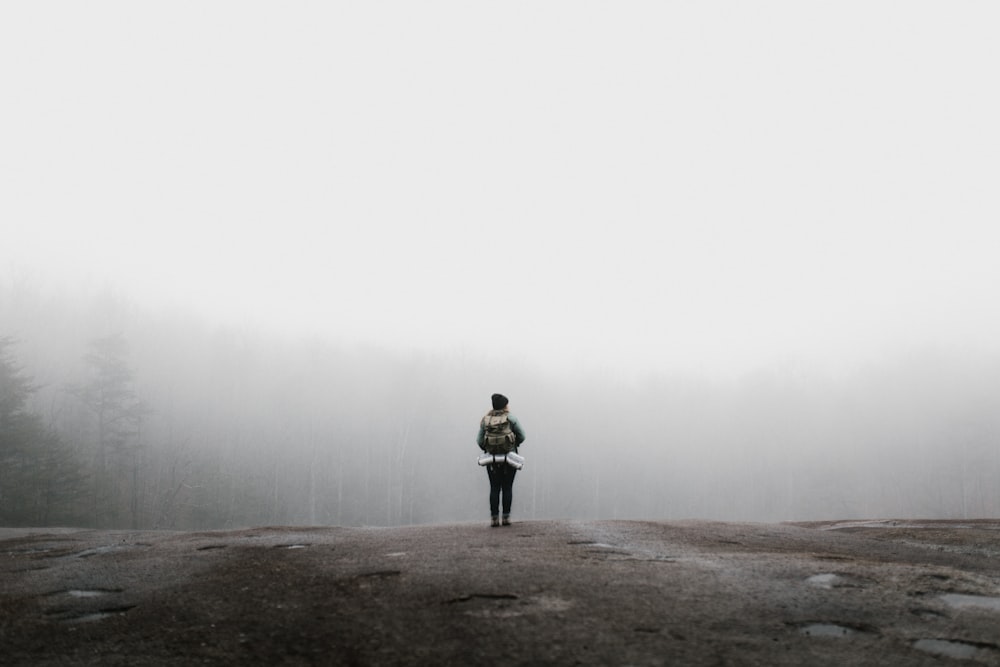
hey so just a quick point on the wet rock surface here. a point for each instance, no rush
(545, 592)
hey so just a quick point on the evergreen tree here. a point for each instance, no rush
(40, 478)
(110, 398)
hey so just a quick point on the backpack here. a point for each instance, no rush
(498, 437)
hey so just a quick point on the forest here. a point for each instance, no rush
(114, 416)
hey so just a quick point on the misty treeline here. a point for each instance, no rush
(115, 417)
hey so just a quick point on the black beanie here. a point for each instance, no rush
(499, 401)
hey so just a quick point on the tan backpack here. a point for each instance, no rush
(498, 436)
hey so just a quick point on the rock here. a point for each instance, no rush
(541, 592)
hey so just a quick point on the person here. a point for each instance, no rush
(500, 432)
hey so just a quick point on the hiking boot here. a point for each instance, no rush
(506, 519)
(495, 522)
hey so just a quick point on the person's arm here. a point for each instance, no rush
(479, 438)
(515, 426)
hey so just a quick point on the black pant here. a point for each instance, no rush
(501, 480)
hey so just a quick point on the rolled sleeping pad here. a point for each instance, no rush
(515, 461)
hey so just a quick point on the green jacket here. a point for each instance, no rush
(515, 426)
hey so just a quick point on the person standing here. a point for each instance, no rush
(499, 433)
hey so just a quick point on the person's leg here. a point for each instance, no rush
(507, 486)
(494, 472)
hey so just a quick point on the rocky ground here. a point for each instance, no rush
(545, 592)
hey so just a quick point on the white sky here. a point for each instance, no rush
(706, 185)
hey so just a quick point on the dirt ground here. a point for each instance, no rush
(545, 592)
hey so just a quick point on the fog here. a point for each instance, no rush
(727, 261)
(164, 421)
